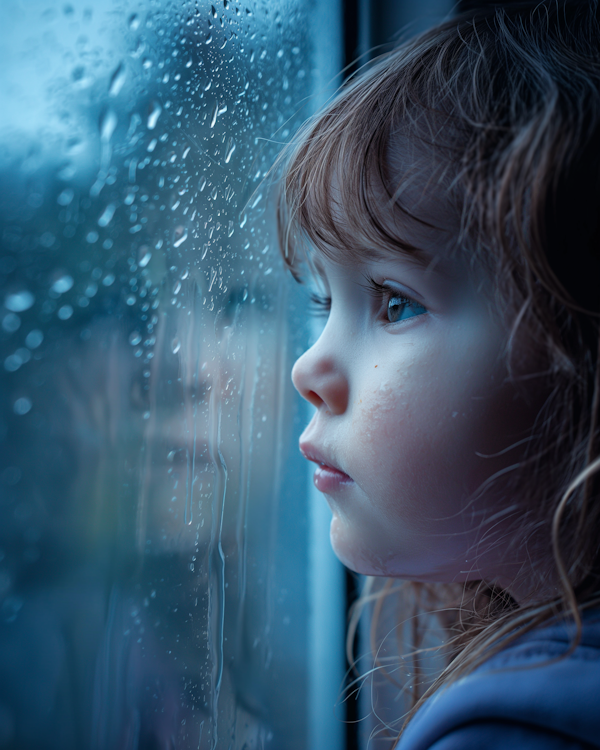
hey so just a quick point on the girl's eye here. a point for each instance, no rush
(397, 307)
(402, 308)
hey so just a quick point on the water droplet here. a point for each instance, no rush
(145, 259)
(19, 301)
(135, 338)
(107, 124)
(22, 406)
(130, 300)
(34, 338)
(208, 38)
(175, 345)
(177, 287)
(214, 115)
(12, 363)
(92, 237)
(11, 322)
(108, 279)
(117, 80)
(230, 229)
(181, 235)
(107, 215)
(65, 312)
(65, 198)
(62, 284)
(91, 289)
(230, 150)
(134, 22)
(153, 114)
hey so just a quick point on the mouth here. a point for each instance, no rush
(328, 478)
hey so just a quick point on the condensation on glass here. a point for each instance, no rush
(152, 519)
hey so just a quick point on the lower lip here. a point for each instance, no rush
(328, 480)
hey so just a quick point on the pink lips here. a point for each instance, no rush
(327, 478)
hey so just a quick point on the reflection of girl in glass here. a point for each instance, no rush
(446, 204)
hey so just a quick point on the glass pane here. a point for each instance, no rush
(153, 539)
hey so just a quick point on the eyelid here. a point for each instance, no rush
(391, 289)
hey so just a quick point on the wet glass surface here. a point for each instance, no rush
(152, 534)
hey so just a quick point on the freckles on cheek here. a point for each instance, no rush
(379, 422)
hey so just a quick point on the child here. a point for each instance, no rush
(447, 203)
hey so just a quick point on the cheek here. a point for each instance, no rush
(392, 421)
(418, 431)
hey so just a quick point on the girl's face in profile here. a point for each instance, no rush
(414, 417)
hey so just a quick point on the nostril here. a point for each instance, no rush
(312, 397)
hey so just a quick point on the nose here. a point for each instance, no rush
(320, 379)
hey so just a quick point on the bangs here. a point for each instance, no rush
(349, 186)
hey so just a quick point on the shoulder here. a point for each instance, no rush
(526, 696)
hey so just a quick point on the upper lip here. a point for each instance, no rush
(314, 454)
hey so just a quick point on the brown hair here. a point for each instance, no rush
(501, 108)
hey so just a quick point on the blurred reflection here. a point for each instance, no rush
(143, 375)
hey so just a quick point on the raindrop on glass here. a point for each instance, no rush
(176, 345)
(107, 215)
(65, 198)
(34, 338)
(107, 125)
(62, 284)
(215, 113)
(230, 150)
(11, 322)
(117, 80)
(153, 114)
(22, 406)
(135, 338)
(145, 259)
(180, 236)
(65, 312)
(19, 301)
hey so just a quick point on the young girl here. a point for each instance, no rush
(446, 204)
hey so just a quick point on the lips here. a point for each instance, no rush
(328, 478)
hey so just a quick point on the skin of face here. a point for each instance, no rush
(415, 418)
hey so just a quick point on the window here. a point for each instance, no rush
(155, 580)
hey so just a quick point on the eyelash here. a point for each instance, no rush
(320, 306)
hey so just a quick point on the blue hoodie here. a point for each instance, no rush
(520, 699)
